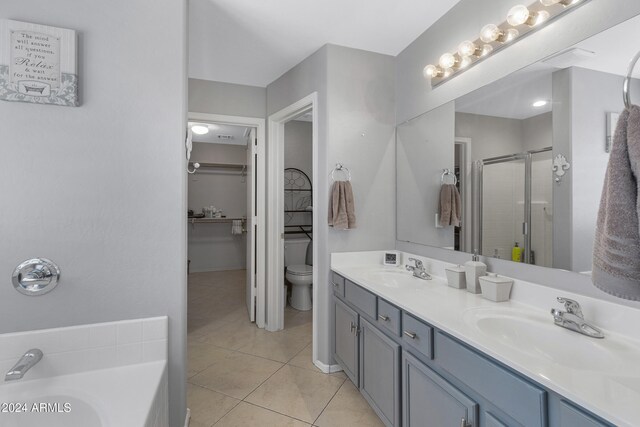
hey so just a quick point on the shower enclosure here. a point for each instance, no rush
(513, 205)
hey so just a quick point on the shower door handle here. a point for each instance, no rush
(525, 228)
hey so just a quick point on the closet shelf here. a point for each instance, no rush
(237, 166)
(213, 220)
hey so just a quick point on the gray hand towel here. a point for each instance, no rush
(342, 214)
(449, 205)
(616, 252)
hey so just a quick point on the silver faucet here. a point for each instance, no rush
(573, 319)
(418, 270)
(26, 362)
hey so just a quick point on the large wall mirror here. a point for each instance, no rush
(527, 155)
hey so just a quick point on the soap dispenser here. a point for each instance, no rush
(473, 270)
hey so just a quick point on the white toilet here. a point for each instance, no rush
(301, 276)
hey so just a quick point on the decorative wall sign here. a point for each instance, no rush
(38, 64)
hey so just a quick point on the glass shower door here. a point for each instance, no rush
(503, 207)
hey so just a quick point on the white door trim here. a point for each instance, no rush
(465, 176)
(259, 124)
(275, 212)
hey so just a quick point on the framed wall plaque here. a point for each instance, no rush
(38, 64)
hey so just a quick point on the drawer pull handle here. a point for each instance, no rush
(383, 318)
(335, 285)
(464, 423)
(411, 335)
(353, 327)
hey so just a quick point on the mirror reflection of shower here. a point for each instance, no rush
(515, 207)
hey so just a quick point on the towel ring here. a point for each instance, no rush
(340, 168)
(626, 87)
(447, 172)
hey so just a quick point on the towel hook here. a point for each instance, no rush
(447, 172)
(626, 87)
(340, 168)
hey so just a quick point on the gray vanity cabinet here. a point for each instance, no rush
(431, 401)
(346, 340)
(380, 373)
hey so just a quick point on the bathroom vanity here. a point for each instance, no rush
(425, 354)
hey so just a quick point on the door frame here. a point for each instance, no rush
(466, 241)
(261, 222)
(275, 212)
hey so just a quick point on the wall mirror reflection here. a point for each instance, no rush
(529, 154)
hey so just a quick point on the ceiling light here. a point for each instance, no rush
(540, 103)
(200, 129)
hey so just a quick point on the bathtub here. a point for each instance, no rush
(114, 378)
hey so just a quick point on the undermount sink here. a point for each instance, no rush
(391, 277)
(537, 336)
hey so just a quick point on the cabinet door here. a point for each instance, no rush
(346, 340)
(431, 401)
(380, 373)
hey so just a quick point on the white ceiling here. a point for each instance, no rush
(513, 96)
(253, 42)
(215, 130)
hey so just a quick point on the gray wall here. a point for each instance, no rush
(415, 96)
(355, 97)
(212, 247)
(228, 99)
(101, 189)
(490, 136)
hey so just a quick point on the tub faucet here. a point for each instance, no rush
(26, 362)
(573, 319)
(418, 270)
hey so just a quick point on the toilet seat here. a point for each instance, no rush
(300, 270)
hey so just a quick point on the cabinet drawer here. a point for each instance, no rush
(338, 284)
(571, 416)
(362, 299)
(518, 398)
(389, 317)
(417, 334)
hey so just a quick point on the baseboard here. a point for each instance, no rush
(187, 418)
(327, 369)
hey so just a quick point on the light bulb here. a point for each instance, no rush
(448, 72)
(490, 33)
(431, 71)
(486, 50)
(509, 35)
(448, 60)
(467, 48)
(465, 62)
(200, 130)
(518, 15)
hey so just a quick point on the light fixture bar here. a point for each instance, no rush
(521, 21)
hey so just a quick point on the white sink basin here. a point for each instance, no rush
(393, 278)
(537, 336)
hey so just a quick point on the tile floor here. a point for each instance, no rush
(240, 375)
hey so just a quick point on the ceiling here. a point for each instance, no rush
(512, 97)
(253, 42)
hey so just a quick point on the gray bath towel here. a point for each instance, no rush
(449, 205)
(342, 211)
(616, 252)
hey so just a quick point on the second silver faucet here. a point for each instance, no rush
(418, 270)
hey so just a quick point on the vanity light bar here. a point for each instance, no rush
(521, 20)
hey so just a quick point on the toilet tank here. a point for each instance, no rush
(295, 251)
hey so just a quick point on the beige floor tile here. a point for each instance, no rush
(194, 423)
(279, 346)
(296, 392)
(232, 336)
(236, 375)
(248, 415)
(202, 355)
(348, 408)
(207, 406)
(304, 360)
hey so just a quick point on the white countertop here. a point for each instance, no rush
(604, 380)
